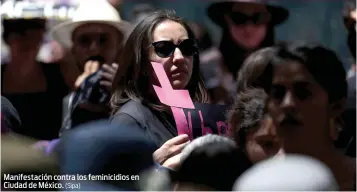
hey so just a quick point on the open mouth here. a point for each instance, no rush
(290, 121)
(97, 58)
(269, 144)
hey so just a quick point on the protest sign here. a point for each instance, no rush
(193, 119)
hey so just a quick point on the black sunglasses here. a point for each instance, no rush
(256, 18)
(188, 47)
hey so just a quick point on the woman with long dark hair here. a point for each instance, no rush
(163, 38)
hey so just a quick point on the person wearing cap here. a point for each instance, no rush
(247, 25)
(36, 89)
(93, 39)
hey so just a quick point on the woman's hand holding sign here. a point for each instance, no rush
(173, 162)
(169, 149)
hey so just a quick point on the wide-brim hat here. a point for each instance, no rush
(217, 10)
(93, 11)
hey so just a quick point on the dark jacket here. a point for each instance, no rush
(158, 126)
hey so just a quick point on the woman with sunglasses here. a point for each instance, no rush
(163, 38)
(246, 27)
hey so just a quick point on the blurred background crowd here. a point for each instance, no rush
(77, 94)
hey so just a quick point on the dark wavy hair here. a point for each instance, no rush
(246, 113)
(322, 63)
(132, 81)
(250, 74)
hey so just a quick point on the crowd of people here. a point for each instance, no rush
(249, 114)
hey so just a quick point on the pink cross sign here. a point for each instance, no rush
(166, 94)
(193, 119)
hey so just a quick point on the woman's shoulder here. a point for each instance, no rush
(130, 106)
(135, 109)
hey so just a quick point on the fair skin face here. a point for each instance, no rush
(248, 35)
(102, 41)
(295, 93)
(177, 66)
(261, 142)
(96, 39)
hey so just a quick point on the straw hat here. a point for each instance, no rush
(93, 11)
(217, 10)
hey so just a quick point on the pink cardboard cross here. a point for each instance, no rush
(167, 95)
(176, 99)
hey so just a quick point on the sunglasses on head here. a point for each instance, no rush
(256, 18)
(188, 47)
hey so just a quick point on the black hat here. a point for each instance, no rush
(217, 10)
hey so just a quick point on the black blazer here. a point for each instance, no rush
(158, 126)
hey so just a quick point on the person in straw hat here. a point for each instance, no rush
(94, 39)
(247, 25)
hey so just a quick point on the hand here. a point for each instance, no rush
(170, 148)
(89, 68)
(108, 75)
(173, 162)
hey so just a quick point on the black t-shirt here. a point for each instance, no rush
(41, 112)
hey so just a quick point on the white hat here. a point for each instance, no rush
(292, 173)
(89, 11)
